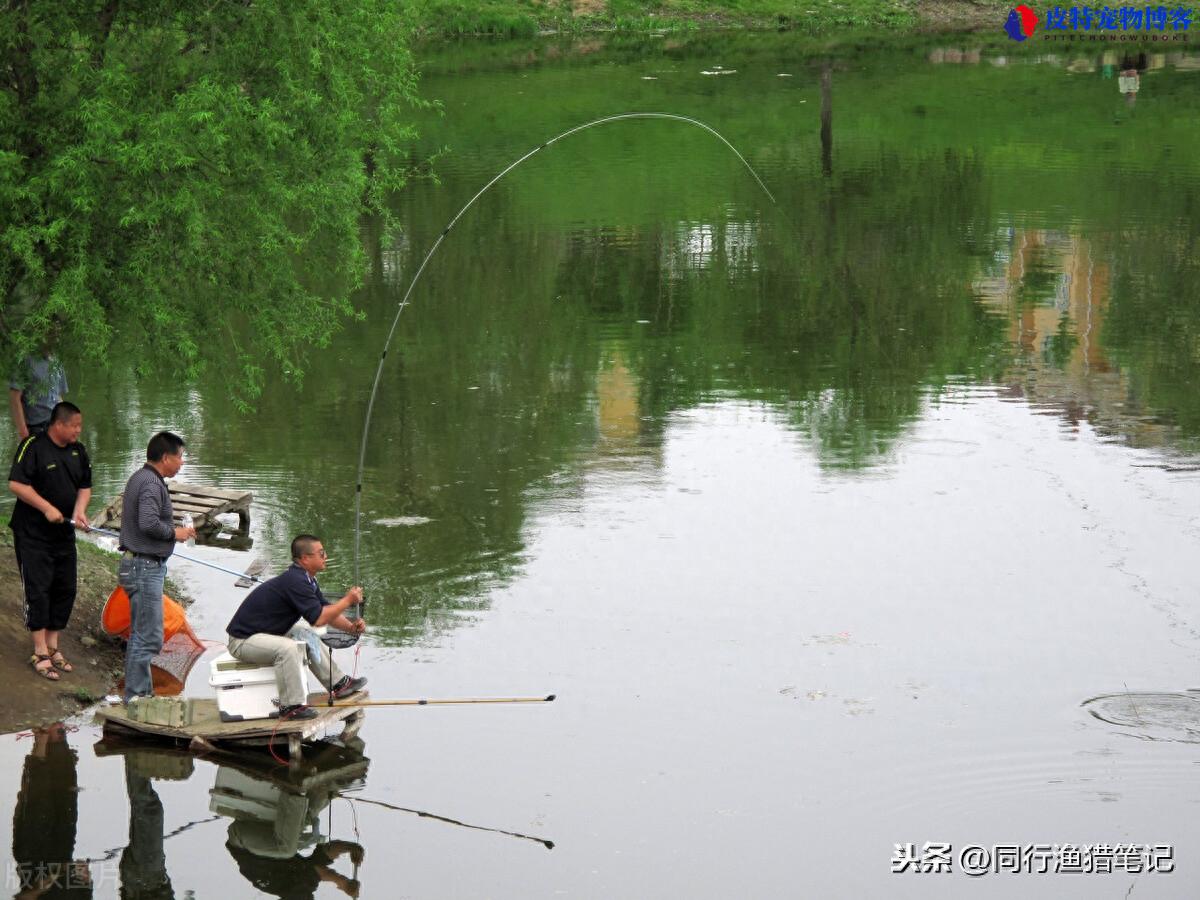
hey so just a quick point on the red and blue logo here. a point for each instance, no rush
(1021, 23)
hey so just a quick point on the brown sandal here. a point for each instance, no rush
(48, 673)
(61, 662)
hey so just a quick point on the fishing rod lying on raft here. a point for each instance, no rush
(448, 701)
(333, 638)
(337, 638)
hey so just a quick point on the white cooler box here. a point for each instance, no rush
(246, 690)
(240, 796)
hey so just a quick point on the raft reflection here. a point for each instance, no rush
(275, 819)
(274, 814)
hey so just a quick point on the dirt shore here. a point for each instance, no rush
(27, 699)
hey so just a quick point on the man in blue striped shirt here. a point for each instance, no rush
(148, 537)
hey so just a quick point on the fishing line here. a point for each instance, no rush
(548, 844)
(110, 855)
(362, 450)
(243, 575)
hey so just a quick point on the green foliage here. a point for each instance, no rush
(84, 697)
(181, 185)
(501, 18)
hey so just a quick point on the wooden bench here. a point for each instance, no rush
(204, 504)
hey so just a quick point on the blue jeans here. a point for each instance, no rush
(143, 865)
(143, 581)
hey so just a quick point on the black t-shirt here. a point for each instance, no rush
(58, 474)
(274, 606)
(296, 878)
(44, 824)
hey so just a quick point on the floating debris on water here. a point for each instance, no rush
(842, 637)
(402, 520)
(857, 707)
(718, 70)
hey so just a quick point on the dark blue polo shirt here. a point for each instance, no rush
(274, 606)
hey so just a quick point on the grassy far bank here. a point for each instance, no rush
(525, 18)
(440, 18)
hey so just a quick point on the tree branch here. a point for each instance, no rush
(105, 23)
(21, 62)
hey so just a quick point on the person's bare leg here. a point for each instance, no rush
(40, 649)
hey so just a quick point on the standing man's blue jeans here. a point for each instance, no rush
(142, 578)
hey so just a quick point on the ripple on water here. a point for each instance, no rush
(1151, 716)
(964, 774)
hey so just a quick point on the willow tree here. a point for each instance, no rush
(181, 184)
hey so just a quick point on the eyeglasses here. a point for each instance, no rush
(320, 553)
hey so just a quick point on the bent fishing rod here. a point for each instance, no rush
(362, 449)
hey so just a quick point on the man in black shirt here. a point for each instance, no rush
(52, 478)
(258, 631)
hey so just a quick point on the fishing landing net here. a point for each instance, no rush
(170, 668)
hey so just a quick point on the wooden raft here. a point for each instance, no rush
(207, 731)
(204, 504)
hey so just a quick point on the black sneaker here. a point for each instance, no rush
(348, 686)
(299, 711)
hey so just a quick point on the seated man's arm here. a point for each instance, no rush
(334, 610)
(353, 626)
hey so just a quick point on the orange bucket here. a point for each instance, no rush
(116, 619)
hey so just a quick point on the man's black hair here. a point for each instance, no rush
(163, 444)
(302, 544)
(64, 411)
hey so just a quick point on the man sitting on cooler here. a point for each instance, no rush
(258, 631)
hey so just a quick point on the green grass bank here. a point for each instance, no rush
(523, 18)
